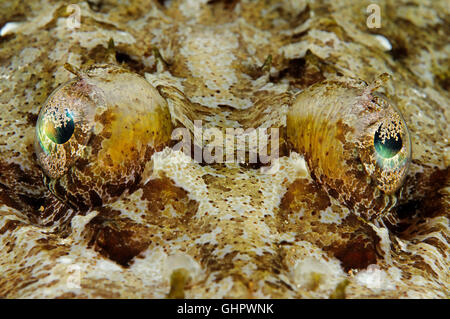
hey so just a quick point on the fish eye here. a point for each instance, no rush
(95, 135)
(355, 142)
(389, 149)
(387, 144)
(59, 130)
(64, 126)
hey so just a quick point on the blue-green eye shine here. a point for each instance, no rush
(61, 133)
(386, 154)
(54, 130)
(65, 124)
(389, 146)
(390, 151)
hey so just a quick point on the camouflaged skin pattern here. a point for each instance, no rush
(237, 231)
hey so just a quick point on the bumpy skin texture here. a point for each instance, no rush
(238, 231)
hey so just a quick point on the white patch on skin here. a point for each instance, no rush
(98, 128)
(155, 267)
(295, 216)
(304, 268)
(9, 27)
(375, 279)
(395, 274)
(288, 237)
(182, 261)
(106, 266)
(249, 269)
(191, 8)
(330, 216)
(294, 50)
(132, 207)
(419, 281)
(225, 250)
(275, 88)
(385, 242)
(297, 6)
(384, 42)
(260, 251)
(209, 238)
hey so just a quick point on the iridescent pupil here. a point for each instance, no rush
(391, 146)
(62, 133)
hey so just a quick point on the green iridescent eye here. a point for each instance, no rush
(64, 125)
(391, 151)
(387, 152)
(61, 132)
(387, 145)
(55, 128)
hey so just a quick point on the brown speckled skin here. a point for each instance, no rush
(238, 232)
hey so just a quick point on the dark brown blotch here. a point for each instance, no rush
(119, 240)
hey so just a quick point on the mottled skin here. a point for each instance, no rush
(238, 231)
